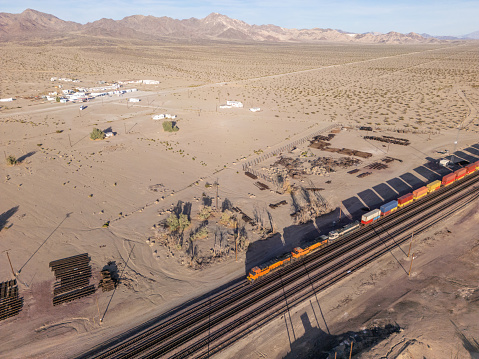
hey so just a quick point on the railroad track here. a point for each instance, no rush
(217, 317)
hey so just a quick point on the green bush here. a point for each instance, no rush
(170, 126)
(97, 134)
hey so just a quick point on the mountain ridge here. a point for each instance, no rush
(215, 26)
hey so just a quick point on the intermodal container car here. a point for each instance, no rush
(460, 173)
(431, 187)
(470, 168)
(371, 216)
(405, 200)
(388, 208)
(420, 192)
(448, 179)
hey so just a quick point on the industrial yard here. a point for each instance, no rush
(162, 215)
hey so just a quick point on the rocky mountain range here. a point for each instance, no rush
(34, 24)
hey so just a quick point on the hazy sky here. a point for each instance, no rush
(436, 17)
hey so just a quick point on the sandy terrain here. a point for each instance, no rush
(66, 187)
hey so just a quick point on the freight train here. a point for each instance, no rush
(366, 219)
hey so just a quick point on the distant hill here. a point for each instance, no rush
(34, 24)
(472, 36)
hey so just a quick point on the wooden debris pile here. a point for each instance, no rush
(108, 281)
(10, 303)
(73, 278)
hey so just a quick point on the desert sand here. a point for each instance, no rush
(65, 187)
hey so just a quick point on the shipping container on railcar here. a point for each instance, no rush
(470, 168)
(267, 267)
(431, 187)
(388, 208)
(420, 192)
(405, 200)
(448, 179)
(370, 216)
(460, 173)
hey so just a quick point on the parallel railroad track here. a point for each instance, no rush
(198, 319)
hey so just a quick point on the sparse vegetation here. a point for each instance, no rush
(12, 160)
(170, 126)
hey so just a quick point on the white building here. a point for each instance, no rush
(234, 104)
(163, 116)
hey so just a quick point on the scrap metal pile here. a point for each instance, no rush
(320, 143)
(10, 303)
(73, 278)
(389, 139)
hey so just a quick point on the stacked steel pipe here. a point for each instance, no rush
(10, 303)
(73, 278)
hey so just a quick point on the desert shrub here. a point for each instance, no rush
(202, 233)
(170, 126)
(183, 222)
(227, 218)
(204, 213)
(173, 223)
(177, 223)
(97, 134)
(12, 160)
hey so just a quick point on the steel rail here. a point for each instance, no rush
(192, 314)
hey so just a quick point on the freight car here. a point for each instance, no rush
(366, 219)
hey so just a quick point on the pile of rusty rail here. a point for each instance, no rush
(365, 174)
(251, 175)
(389, 139)
(244, 216)
(390, 159)
(275, 205)
(261, 186)
(377, 166)
(10, 303)
(73, 278)
(356, 170)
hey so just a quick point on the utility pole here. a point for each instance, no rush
(217, 184)
(351, 350)
(410, 267)
(410, 245)
(9, 261)
(236, 240)
(455, 144)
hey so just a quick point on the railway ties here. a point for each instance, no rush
(190, 332)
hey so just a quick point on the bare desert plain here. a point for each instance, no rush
(112, 198)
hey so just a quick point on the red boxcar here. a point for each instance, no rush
(403, 200)
(470, 168)
(448, 179)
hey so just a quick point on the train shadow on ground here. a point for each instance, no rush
(262, 251)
